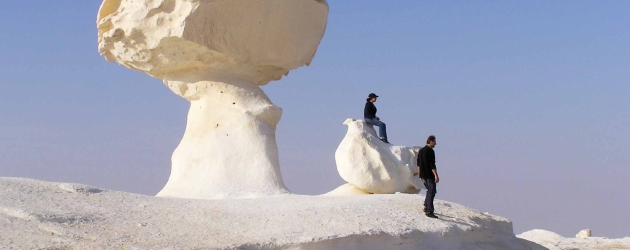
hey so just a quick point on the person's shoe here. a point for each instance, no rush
(431, 215)
(424, 210)
(384, 140)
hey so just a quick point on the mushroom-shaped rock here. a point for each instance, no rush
(371, 165)
(216, 54)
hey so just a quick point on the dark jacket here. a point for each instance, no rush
(426, 162)
(369, 111)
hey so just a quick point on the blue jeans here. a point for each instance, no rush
(381, 126)
(428, 200)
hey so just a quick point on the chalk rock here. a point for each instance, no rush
(583, 234)
(170, 39)
(216, 54)
(374, 166)
(118, 220)
(346, 190)
(229, 146)
(542, 239)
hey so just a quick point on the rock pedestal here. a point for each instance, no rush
(229, 147)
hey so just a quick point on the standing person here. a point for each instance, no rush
(428, 173)
(369, 114)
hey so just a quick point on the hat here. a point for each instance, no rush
(372, 95)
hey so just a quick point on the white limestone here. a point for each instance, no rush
(172, 39)
(374, 166)
(583, 234)
(346, 190)
(543, 239)
(44, 215)
(216, 54)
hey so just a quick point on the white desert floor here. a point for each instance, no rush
(44, 215)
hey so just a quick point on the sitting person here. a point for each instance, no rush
(369, 114)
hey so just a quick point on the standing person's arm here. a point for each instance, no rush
(437, 178)
(418, 160)
(433, 167)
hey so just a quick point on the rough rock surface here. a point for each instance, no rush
(229, 146)
(374, 166)
(216, 54)
(168, 39)
(542, 239)
(44, 215)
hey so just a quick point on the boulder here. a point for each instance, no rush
(371, 165)
(583, 234)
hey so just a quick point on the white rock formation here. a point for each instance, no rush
(216, 54)
(44, 215)
(543, 239)
(583, 234)
(374, 166)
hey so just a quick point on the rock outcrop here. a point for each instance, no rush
(216, 54)
(44, 215)
(374, 166)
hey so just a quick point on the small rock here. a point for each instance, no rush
(583, 234)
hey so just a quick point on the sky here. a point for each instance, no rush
(529, 101)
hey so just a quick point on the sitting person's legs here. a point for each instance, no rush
(381, 127)
(382, 130)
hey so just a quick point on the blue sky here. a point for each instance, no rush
(529, 100)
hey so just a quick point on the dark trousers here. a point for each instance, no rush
(431, 191)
